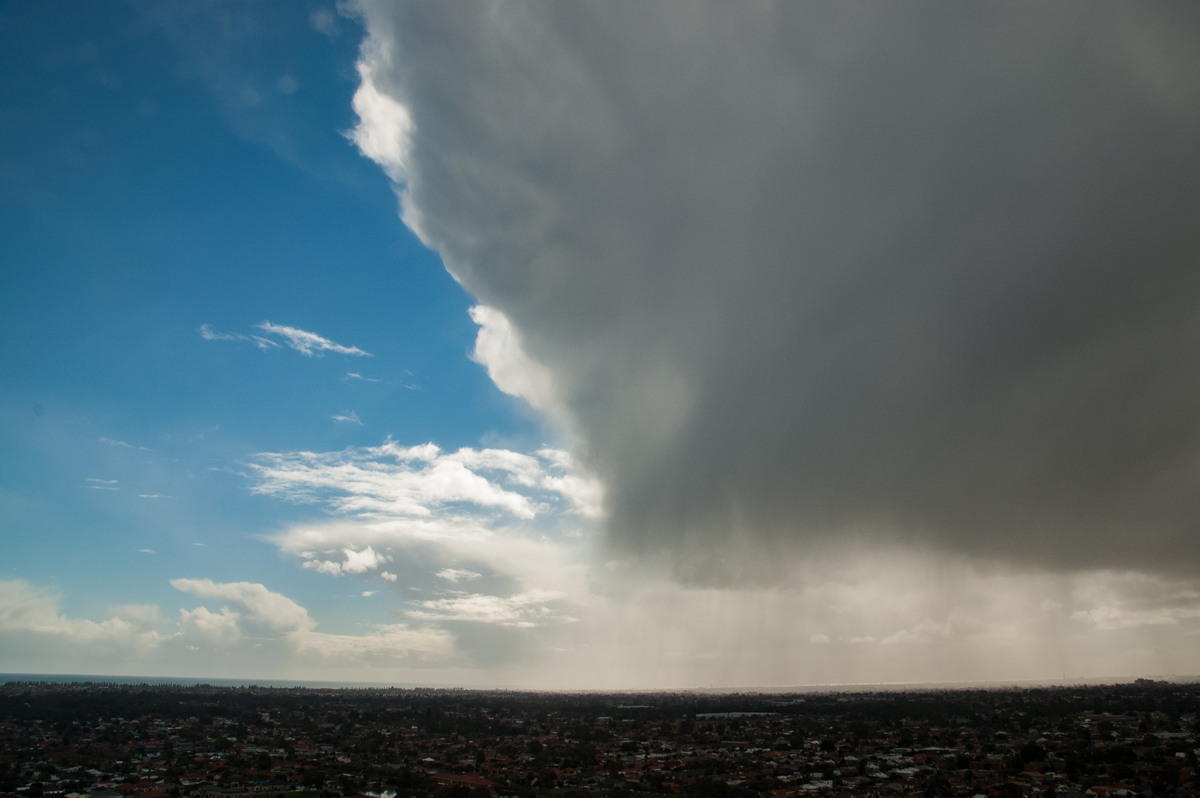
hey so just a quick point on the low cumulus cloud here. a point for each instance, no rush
(243, 629)
(253, 601)
(489, 547)
(801, 274)
(26, 608)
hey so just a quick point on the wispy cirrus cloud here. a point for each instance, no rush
(348, 417)
(308, 343)
(95, 483)
(523, 610)
(120, 443)
(209, 334)
(457, 575)
(278, 335)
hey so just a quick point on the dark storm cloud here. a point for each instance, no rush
(815, 271)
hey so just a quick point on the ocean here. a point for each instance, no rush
(186, 681)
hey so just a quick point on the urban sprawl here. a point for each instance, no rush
(97, 740)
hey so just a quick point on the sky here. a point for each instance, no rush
(600, 345)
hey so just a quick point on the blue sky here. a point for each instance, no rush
(172, 167)
(613, 345)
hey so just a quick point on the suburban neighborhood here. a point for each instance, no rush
(96, 740)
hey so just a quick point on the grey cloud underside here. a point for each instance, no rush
(815, 270)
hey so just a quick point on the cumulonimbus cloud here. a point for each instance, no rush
(799, 272)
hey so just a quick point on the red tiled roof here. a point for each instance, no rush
(466, 779)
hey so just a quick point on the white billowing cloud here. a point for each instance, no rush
(302, 341)
(358, 562)
(843, 275)
(431, 552)
(498, 349)
(383, 133)
(397, 481)
(28, 610)
(254, 631)
(220, 629)
(255, 603)
(525, 574)
(355, 562)
(256, 608)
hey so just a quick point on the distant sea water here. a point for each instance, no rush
(190, 681)
(185, 681)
